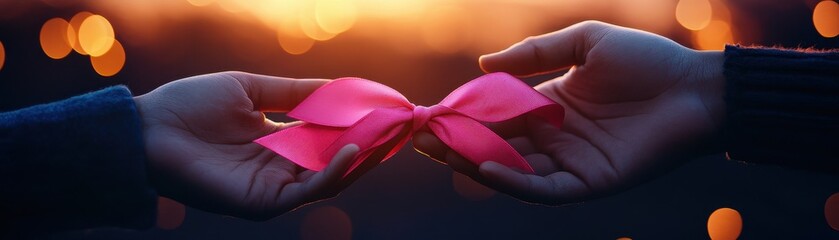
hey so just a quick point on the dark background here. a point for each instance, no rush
(410, 197)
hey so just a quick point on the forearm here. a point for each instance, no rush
(78, 163)
(782, 107)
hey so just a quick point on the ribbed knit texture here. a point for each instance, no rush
(73, 164)
(782, 107)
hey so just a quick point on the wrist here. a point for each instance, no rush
(142, 112)
(711, 85)
(709, 79)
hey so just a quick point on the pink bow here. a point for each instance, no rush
(369, 114)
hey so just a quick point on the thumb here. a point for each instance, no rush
(546, 53)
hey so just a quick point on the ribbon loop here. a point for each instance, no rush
(368, 114)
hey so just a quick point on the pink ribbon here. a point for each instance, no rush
(369, 114)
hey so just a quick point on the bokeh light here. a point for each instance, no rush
(831, 211)
(53, 38)
(96, 35)
(111, 62)
(335, 16)
(326, 223)
(295, 45)
(2, 55)
(694, 14)
(72, 33)
(170, 214)
(624, 238)
(469, 189)
(714, 36)
(724, 224)
(826, 18)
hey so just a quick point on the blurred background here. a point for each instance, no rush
(54, 49)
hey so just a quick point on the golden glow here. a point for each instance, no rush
(713, 37)
(170, 214)
(724, 224)
(693, 14)
(2, 55)
(54, 38)
(200, 3)
(335, 16)
(447, 29)
(326, 223)
(233, 6)
(310, 27)
(831, 210)
(111, 62)
(96, 36)
(295, 45)
(72, 33)
(826, 18)
(470, 189)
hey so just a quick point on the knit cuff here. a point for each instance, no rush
(77, 163)
(782, 107)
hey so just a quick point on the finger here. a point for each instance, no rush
(320, 184)
(557, 188)
(542, 164)
(429, 145)
(373, 160)
(275, 94)
(546, 53)
(462, 165)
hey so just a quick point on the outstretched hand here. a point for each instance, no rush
(199, 134)
(632, 100)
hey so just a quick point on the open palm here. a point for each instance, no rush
(632, 100)
(199, 134)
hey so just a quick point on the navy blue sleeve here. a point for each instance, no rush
(782, 107)
(78, 163)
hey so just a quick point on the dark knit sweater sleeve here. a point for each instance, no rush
(782, 107)
(78, 163)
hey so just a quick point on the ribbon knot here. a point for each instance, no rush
(369, 114)
(421, 116)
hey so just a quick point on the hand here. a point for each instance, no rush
(199, 134)
(633, 100)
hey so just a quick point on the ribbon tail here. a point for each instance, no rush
(475, 142)
(303, 144)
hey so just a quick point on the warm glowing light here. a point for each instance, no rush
(96, 36)
(724, 224)
(624, 238)
(826, 18)
(470, 189)
(295, 45)
(232, 6)
(335, 16)
(312, 30)
(72, 32)
(54, 38)
(713, 37)
(2, 55)
(447, 29)
(170, 214)
(694, 14)
(326, 223)
(110, 63)
(200, 3)
(831, 209)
